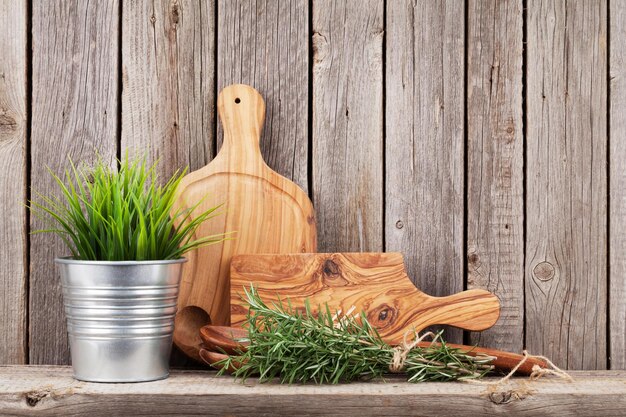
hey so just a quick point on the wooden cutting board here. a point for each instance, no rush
(267, 213)
(376, 283)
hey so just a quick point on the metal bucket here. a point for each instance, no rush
(120, 317)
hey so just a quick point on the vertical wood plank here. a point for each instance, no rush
(168, 96)
(13, 227)
(348, 124)
(425, 143)
(495, 259)
(74, 114)
(265, 44)
(617, 175)
(168, 78)
(566, 282)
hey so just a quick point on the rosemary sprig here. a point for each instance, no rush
(296, 346)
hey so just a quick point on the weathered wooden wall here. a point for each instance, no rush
(484, 139)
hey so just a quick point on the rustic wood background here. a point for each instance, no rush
(484, 139)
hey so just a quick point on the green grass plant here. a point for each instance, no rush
(124, 214)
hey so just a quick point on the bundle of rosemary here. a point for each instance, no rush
(296, 346)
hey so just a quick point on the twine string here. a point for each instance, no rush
(537, 371)
(400, 352)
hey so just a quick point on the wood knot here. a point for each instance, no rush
(505, 397)
(473, 258)
(473, 265)
(544, 271)
(320, 47)
(331, 274)
(330, 267)
(501, 397)
(34, 397)
(382, 316)
(7, 124)
(175, 13)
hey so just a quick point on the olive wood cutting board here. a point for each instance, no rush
(265, 211)
(375, 283)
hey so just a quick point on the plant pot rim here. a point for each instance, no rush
(71, 260)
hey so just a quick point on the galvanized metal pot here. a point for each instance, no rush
(120, 317)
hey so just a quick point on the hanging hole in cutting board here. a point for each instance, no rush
(237, 100)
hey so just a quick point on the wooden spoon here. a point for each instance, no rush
(224, 338)
(212, 358)
(231, 340)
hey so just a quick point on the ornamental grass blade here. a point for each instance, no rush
(123, 214)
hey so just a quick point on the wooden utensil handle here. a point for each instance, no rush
(242, 111)
(470, 310)
(504, 361)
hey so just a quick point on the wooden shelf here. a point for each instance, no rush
(51, 390)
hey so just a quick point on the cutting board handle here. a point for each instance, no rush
(474, 310)
(242, 111)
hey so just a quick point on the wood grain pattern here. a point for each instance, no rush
(74, 115)
(168, 96)
(265, 44)
(269, 214)
(495, 147)
(51, 391)
(374, 283)
(617, 192)
(13, 222)
(425, 143)
(348, 124)
(566, 244)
